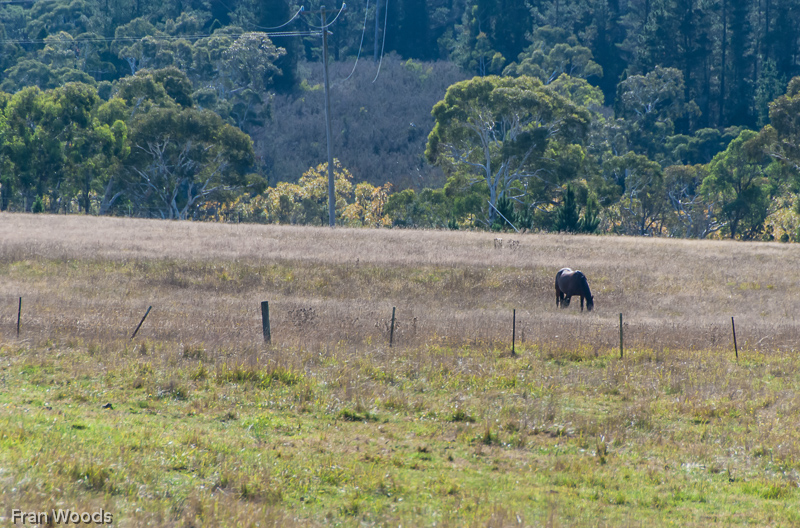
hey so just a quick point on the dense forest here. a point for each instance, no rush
(641, 117)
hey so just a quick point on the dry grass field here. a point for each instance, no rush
(328, 425)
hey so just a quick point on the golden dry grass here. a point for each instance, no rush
(94, 277)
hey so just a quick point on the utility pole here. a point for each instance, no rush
(328, 133)
(331, 192)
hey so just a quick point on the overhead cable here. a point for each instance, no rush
(344, 6)
(360, 46)
(385, 20)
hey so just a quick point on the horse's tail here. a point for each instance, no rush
(559, 293)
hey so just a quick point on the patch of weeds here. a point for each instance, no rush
(91, 476)
(229, 416)
(767, 490)
(489, 437)
(602, 451)
(423, 453)
(255, 490)
(395, 402)
(262, 378)
(173, 389)
(618, 498)
(194, 352)
(760, 451)
(200, 373)
(675, 387)
(332, 475)
(379, 375)
(353, 416)
(285, 376)
(460, 415)
(447, 486)
(352, 507)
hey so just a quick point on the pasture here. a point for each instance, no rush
(328, 425)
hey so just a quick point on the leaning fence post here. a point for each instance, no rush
(19, 315)
(735, 348)
(391, 331)
(514, 332)
(265, 322)
(140, 322)
(620, 336)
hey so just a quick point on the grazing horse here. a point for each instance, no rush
(569, 283)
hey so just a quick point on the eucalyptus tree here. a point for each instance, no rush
(650, 105)
(554, 52)
(182, 156)
(743, 183)
(638, 184)
(782, 136)
(515, 135)
(32, 145)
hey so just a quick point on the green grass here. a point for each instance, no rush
(534, 440)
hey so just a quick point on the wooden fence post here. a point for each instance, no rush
(140, 322)
(735, 348)
(514, 332)
(391, 331)
(620, 337)
(265, 329)
(19, 315)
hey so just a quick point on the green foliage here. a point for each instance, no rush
(567, 215)
(639, 184)
(554, 52)
(743, 182)
(650, 105)
(506, 133)
(182, 156)
(38, 205)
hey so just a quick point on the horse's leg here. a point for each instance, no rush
(581, 302)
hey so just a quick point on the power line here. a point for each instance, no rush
(324, 25)
(285, 23)
(360, 46)
(385, 20)
(164, 37)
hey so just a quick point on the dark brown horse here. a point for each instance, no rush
(569, 283)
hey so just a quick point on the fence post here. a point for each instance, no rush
(140, 322)
(735, 348)
(19, 315)
(514, 332)
(265, 329)
(620, 337)
(391, 331)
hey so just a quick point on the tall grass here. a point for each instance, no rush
(92, 278)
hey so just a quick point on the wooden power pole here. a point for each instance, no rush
(331, 190)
